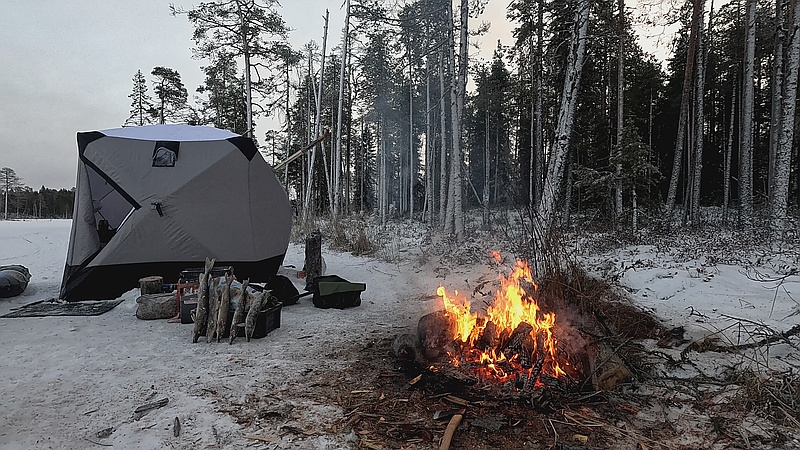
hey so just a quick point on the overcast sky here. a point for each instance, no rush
(66, 66)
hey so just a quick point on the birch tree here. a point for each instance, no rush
(686, 94)
(788, 108)
(566, 116)
(746, 145)
(699, 119)
(454, 220)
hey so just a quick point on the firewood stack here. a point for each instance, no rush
(226, 311)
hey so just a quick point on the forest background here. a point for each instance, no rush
(573, 121)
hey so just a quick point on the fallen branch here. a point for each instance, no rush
(706, 346)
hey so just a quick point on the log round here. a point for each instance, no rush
(151, 285)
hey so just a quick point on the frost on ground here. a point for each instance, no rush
(75, 382)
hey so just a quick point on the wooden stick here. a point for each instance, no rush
(451, 428)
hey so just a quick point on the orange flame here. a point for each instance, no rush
(512, 305)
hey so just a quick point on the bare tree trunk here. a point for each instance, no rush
(318, 124)
(566, 115)
(429, 165)
(699, 120)
(382, 194)
(777, 94)
(726, 187)
(620, 109)
(337, 159)
(788, 105)
(455, 214)
(411, 176)
(443, 152)
(539, 141)
(486, 168)
(746, 146)
(686, 94)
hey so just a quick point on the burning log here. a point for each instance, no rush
(435, 331)
(520, 342)
(490, 337)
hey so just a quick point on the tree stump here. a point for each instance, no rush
(151, 285)
(313, 257)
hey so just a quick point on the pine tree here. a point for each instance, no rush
(142, 110)
(172, 95)
(243, 28)
(225, 103)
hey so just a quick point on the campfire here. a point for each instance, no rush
(509, 341)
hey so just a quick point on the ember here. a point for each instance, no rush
(512, 341)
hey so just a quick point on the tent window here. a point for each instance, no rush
(165, 154)
(110, 207)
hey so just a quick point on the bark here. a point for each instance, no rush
(566, 116)
(788, 106)
(699, 120)
(746, 146)
(454, 216)
(684, 111)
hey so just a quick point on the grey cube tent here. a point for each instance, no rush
(157, 199)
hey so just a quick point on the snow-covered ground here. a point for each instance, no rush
(66, 379)
(74, 382)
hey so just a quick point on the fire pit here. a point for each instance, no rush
(506, 348)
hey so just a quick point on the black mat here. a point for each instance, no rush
(61, 308)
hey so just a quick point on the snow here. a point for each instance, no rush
(67, 378)
(170, 132)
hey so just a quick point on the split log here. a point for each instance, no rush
(144, 409)
(238, 314)
(156, 306)
(252, 314)
(201, 314)
(451, 429)
(151, 285)
(224, 307)
(313, 257)
(213, 310)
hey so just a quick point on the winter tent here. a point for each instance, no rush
(155, 200)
